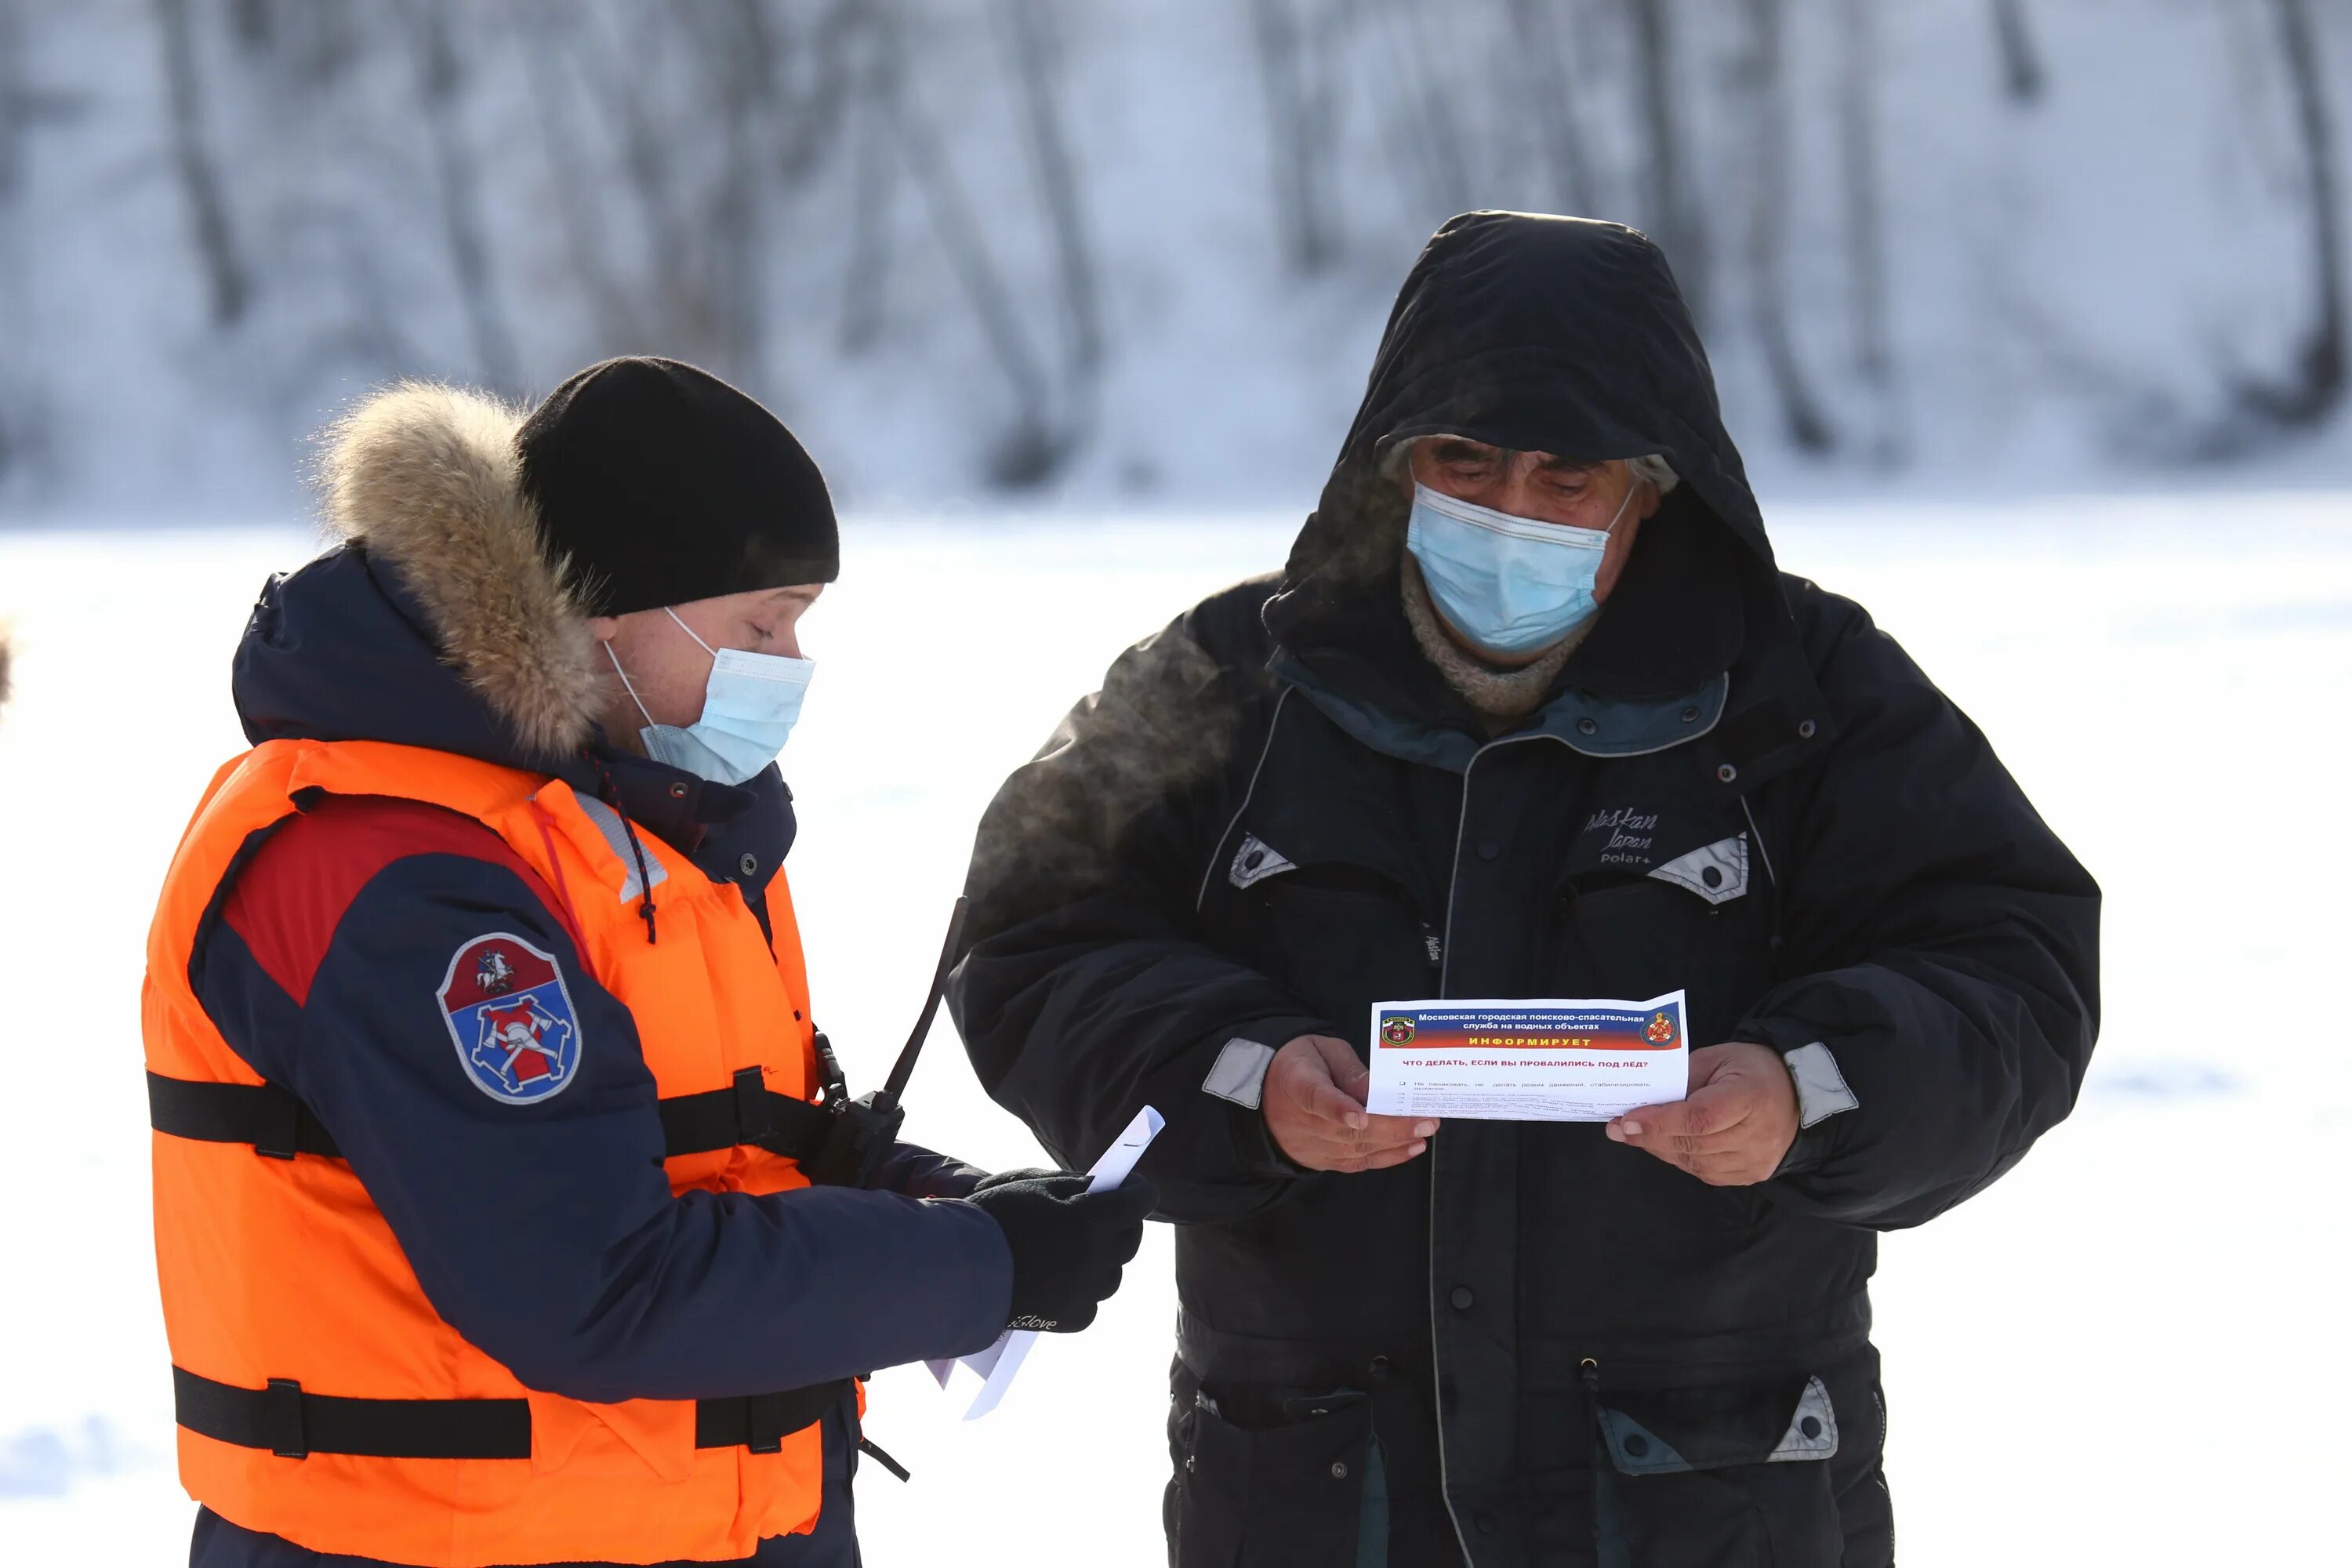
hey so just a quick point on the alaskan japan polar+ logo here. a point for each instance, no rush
(511, 1019)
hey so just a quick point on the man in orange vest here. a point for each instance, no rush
(509, 1209)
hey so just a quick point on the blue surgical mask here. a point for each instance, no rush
(749, 707)
(1510, 585)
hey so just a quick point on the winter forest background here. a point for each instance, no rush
(1141, 251)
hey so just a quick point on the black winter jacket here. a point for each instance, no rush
(1532, 1345)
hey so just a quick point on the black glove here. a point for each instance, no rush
(1067, 1244)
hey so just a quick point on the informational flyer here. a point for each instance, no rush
(998, 1363)
(1582, 1060)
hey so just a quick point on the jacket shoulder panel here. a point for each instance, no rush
(291, 895)
(1825, 621)
(1230, 625)
(1174, 706)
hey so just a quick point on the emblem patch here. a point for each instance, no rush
(1661, 1031)
(1397, 1031)
(511, 1019)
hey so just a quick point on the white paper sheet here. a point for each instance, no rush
(1579, 1059)
(1000, 1362)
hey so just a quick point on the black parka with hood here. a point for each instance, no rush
(1532, 1345)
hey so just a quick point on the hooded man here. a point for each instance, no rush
(1530, 713)
(496, 1218)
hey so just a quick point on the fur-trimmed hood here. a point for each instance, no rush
(435, 621)
(426, 481)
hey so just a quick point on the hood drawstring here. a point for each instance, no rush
(611, 795)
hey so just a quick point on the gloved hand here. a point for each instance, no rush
(1068, 1246)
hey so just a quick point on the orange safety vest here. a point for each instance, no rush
(283, 1375)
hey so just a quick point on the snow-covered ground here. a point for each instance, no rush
(2130, 1351)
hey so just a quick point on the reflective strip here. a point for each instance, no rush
(1636, 1450)
(1824, 1442)
(1727, 858)
(1273, 726)
(608, 823)
(1821, 1091)
(1256, 860)
(1239, 1074)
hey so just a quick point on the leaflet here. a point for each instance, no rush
(998, 1363)
(1582, 1060)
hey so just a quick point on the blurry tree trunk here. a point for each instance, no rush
(815, 113)
(253, 23)
(2316, 385)
(689, 180)
(1298, 121)
(17, 100)
(1545, 88)
(17, 393)
(873, 194)
(1768, 224)
(227, 283)
(1036, 64)
(543, 37)
(1030, 449)
(2022, 73)
(1427, 75)
(738, 57)
(960, 236)
(1673, 219)
(442, 82)
(308, 43)
(1865, 223)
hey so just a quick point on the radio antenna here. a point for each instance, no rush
(895, 1088)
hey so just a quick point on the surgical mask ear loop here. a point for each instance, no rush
(626, 684)
(612, 793)
(1630, 491)
(689, 631)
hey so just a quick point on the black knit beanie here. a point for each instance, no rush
(665, 485)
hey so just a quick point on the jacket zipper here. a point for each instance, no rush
(1444, 971)
(1590, 1370)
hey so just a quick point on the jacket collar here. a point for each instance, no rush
(1594, 725)
(343, 649)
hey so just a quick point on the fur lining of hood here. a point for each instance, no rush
(427, 479)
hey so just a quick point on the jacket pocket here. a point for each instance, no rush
(1636, 936)
(1340, 939)
(1726, 1477)
(1292, 1495)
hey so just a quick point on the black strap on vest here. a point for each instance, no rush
(293, 1424)
(280, 1126)
(761, 1422)
(272, 1119)
(746, 1111)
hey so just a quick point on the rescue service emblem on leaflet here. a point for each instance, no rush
(511, 1019)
